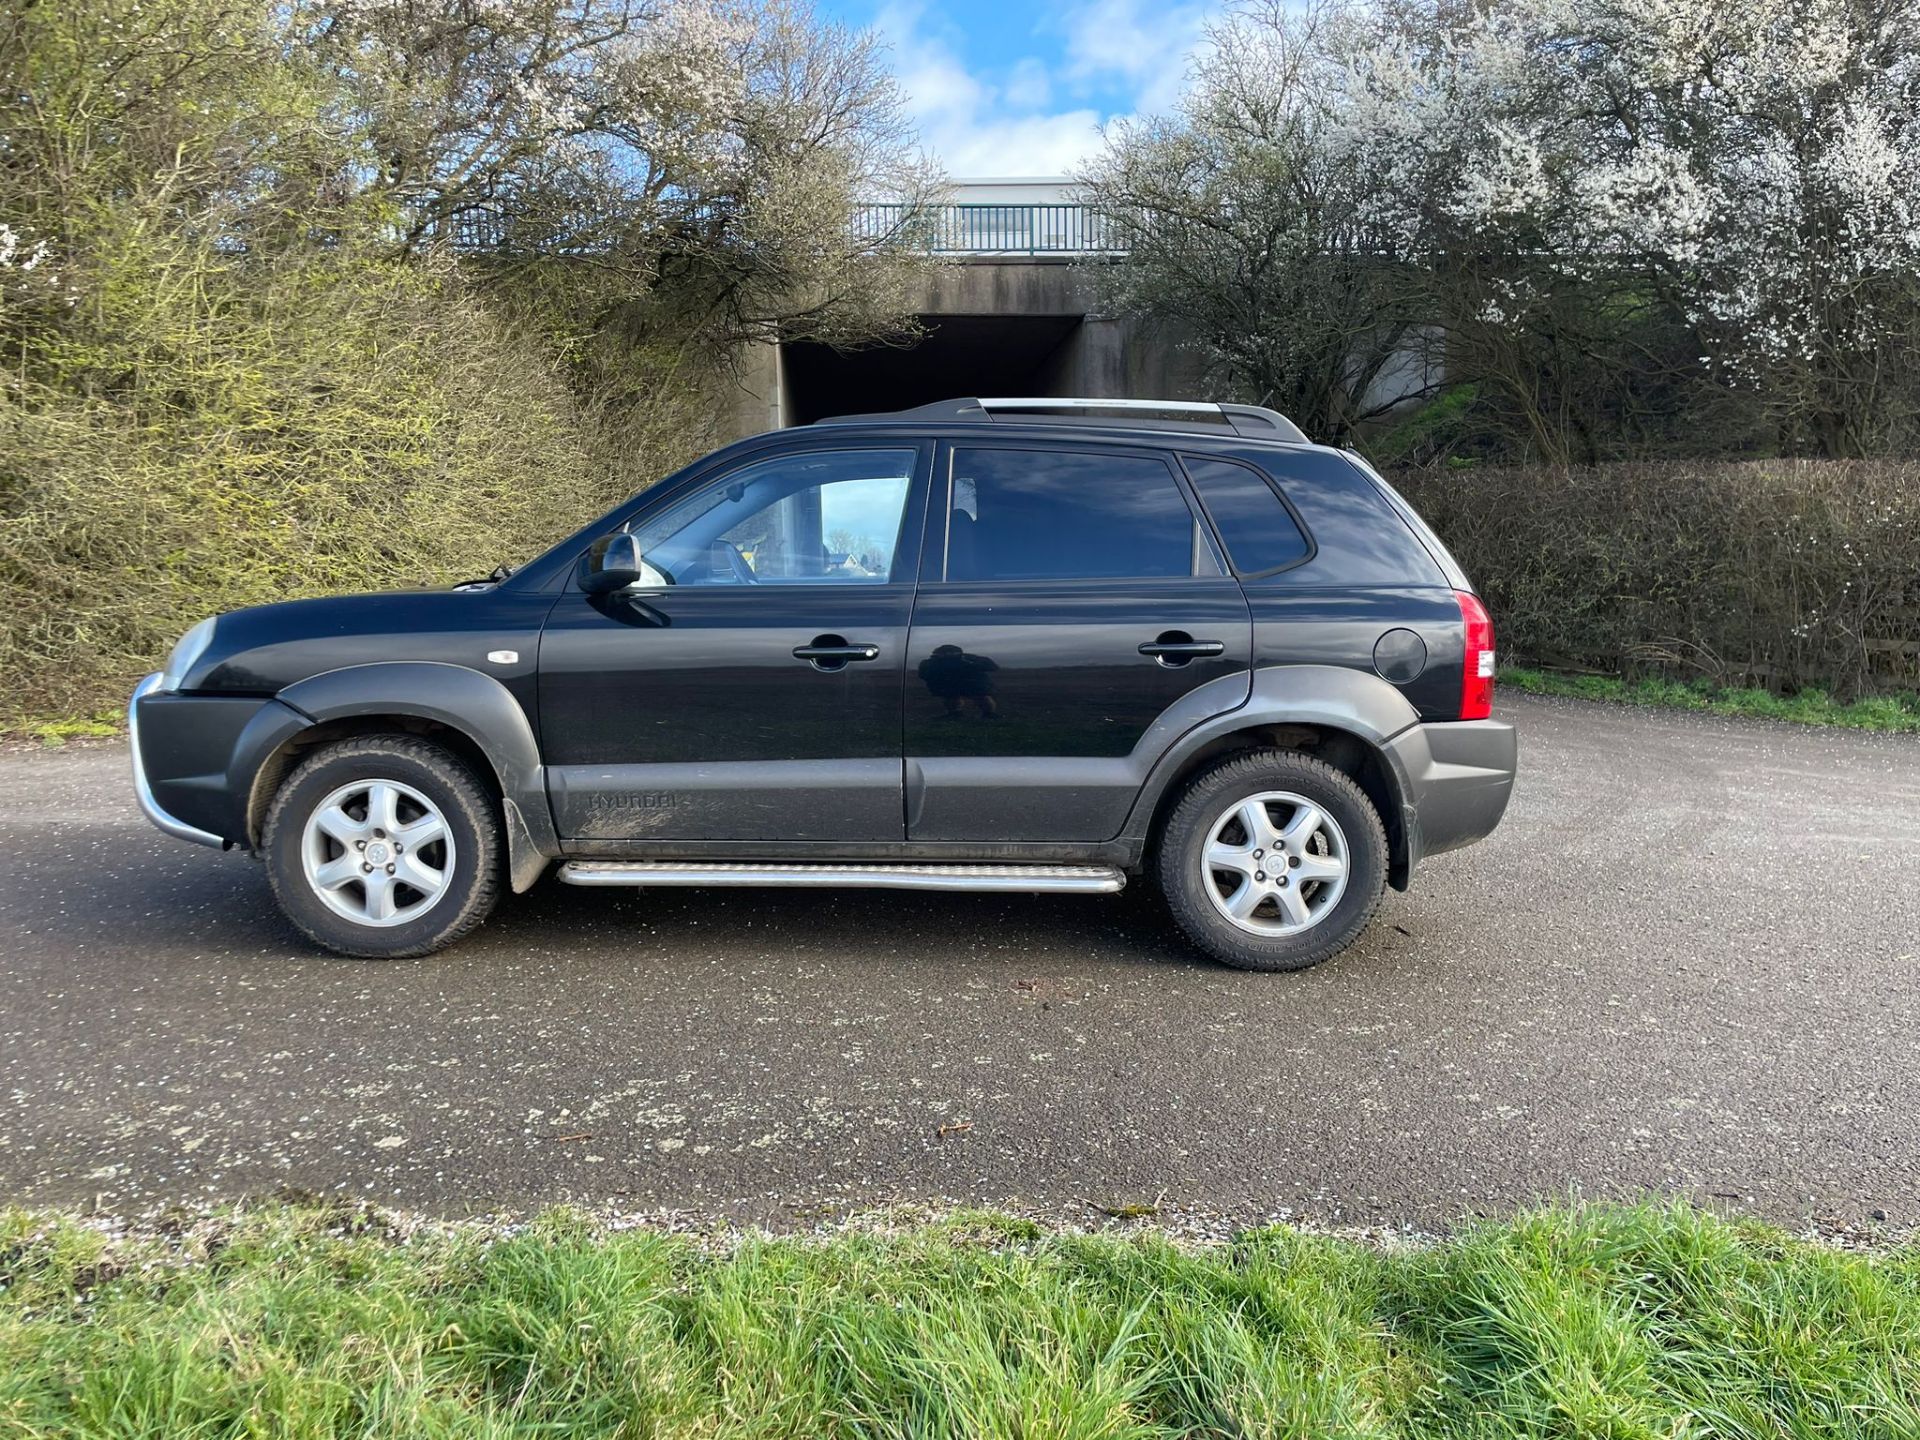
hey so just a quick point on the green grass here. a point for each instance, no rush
(1603, 1322)
(55, 733)
(1806, 707)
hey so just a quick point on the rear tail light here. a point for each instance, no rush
(1476, 674)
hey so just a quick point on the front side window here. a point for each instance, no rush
(1066, 515)
(818, 518)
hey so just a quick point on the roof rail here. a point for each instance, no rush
(1204, 415)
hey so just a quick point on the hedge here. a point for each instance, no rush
(1788, 574)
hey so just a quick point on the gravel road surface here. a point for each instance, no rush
(1688, 962)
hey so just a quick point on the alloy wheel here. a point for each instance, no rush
(377, 852)
(1275, 863)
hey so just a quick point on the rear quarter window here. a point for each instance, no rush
(1359, 538)
(1260, 533)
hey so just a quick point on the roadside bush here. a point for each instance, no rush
(1789, 574)
(323, 425)
(237, 363)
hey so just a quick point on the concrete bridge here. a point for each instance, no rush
(1014, 314)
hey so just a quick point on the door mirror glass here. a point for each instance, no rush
(822, 517)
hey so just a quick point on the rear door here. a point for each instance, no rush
(1074, 618)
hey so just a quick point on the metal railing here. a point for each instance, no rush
(990, 229)
(1063, 229)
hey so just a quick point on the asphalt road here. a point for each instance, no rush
(1689, 961)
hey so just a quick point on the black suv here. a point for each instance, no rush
(1034, 645)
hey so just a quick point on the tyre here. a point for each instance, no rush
(383, 846)
(1272, 860)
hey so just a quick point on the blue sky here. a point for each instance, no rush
(1003, 88)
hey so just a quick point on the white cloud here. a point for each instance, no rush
(1021, 145)
(1124, 53)
(1145, 45)
(1029, 87)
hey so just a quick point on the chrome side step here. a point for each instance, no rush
(857, 874)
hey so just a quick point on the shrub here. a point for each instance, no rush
(236, 364)
(1789, 574)
(322, 425)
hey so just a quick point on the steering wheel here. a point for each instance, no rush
(736, 562)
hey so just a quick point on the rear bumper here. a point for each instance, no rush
(1457, 777)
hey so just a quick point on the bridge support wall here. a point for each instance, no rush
(999, 326)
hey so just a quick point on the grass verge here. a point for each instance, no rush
(1806, 707)
(1601, 1321)
(53, 734)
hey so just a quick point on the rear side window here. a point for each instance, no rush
(1359, 539)
(1260, 534)
(1066, 515)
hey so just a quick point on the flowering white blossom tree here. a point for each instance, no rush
(1755, 164)
(705, 153)
(1619, 216)
(1252, 227)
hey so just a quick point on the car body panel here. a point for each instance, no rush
(1038, 737)
(479, 707)
(1343, 626)
(681, 712)
(1458, 779)
(263, 650)
(706, 727)
(1332, 698)
(184, 750)
(613, 734)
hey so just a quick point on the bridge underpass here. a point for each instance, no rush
(957, 355)
(1005, 322)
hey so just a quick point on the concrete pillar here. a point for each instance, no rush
(759, 400)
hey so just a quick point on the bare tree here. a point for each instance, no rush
(1253, 227)
(700, 160)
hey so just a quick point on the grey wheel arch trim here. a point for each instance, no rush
(475, 705)
(1329, 696)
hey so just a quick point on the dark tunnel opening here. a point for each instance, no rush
(960, 355)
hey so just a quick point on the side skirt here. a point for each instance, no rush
(868, 875)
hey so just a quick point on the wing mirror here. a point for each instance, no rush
(612, 563)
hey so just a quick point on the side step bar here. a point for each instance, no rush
(858, 874)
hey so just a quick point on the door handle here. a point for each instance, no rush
(830, 652)
(1176, 647)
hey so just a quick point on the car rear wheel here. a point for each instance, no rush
(383, 846)
(1272, 860)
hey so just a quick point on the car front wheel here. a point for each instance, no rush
(1273, 860)
(383, 846)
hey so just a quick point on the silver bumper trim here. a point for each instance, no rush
(149, 807)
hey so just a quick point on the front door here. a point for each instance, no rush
(748, 687)
(1074, 619)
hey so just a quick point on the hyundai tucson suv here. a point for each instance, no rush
(1025, 645)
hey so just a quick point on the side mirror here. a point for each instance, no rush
(613, 563)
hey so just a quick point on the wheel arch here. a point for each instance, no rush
(473, 715)
(1341, 716)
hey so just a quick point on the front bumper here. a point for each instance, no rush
(196, 757)
(1457, 777)
(143, 789)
